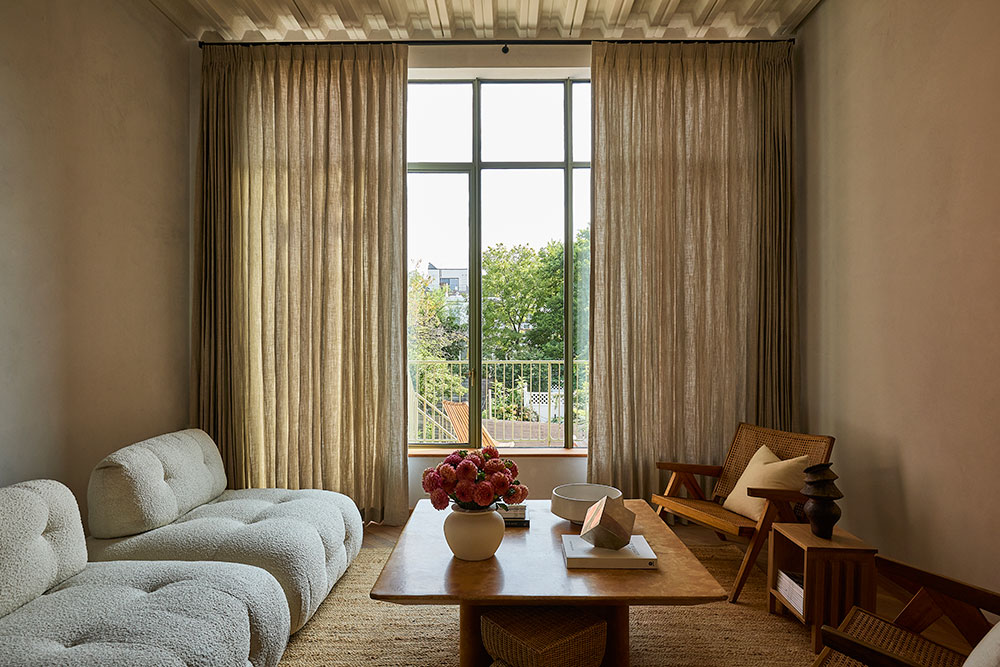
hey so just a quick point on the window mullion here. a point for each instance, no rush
(475, 278)
(569, 419)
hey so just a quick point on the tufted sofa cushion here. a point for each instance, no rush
(304, 538)
(41, 540)
(153, 482)
(145, 614)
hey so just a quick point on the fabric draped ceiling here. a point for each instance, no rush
(300, 297)
(693, 287)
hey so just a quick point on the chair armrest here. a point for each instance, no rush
(862, 651)
(691, 468)
(778, 495)
(912, 579)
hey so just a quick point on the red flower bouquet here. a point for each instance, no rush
(474, 479)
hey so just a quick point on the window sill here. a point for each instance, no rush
(506, 452)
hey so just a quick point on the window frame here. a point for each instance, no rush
(474, 170)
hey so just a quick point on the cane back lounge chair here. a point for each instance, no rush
(780, 502)
(458, 413)
(866, 639)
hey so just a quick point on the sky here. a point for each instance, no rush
(520, 122)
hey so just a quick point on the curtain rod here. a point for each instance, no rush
(504, 42)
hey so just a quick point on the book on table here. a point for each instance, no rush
(515, 516)
(636, 555)
(789, 585)
(513, 511)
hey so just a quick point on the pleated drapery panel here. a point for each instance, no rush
(693, 293)
(300, 286)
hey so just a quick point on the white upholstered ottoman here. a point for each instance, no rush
(55, 609)
(165, 499)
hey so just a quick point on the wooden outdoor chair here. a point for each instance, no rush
(458, 413)
(780, 502)
(866, 639)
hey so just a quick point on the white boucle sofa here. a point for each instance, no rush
(165, 499)
(56, 609)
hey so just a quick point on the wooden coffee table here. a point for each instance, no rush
(528, 569)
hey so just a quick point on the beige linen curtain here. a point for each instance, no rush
(693, 292)
(299, 323)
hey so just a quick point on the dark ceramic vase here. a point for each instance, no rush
(821, 509)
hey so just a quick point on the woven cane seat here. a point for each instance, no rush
(706, 511)
(869, 628)
(543, 637)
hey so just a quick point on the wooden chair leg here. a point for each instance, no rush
(753, 550)
(673, 486)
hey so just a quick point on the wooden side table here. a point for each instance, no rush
(818, 580)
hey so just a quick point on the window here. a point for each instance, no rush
(498, 189)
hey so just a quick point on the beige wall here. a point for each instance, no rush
(94, 198)
(899, 219)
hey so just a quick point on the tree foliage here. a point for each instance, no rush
(523, 300)
(523, 314)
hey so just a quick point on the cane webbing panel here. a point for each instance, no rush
(544, 636)
(869, 628)
(785, 445)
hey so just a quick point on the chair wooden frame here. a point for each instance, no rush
(930, 597)
(458, 413)
(780, 502)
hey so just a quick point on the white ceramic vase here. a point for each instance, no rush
(473, 534)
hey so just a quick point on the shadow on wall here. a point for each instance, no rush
(875, 506)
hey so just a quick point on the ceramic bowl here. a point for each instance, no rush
(571, 501)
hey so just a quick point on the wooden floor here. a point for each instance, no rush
(378, 536)
(888, 605)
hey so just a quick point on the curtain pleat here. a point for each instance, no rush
(693, 294)
(300, 272)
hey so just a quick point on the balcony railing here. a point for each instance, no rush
(523, 401)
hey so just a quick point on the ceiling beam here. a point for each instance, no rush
(660, 20)
(528, 19)
(483, 18)
(395, 23)
(620, 18)
(437, 12)
(358, 20)
(574, 15)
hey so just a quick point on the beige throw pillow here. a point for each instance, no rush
(765, 470)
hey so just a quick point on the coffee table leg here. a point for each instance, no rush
(616, 653)
(471, 652)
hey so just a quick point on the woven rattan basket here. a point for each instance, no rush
(544, 637)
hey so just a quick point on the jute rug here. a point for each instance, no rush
(352, 629)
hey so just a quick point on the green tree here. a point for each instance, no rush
(511, 299)
(544, 333)
(434, 333)
(523, 318)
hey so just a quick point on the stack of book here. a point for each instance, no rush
(515, 516)
(789, 585)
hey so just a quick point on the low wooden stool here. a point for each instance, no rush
(543, 636)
